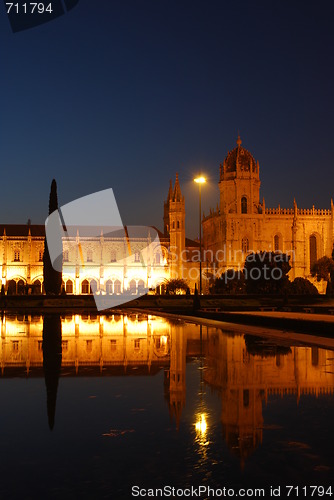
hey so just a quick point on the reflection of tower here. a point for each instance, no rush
(242, 420)
(176, 227)
(176, 376)
(52, 356)
(241, 402)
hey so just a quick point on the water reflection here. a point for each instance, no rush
(241, 371)
(52, 356)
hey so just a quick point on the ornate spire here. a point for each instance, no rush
(177, 195)
(239, 141)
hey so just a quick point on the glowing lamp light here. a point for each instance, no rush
(200, 180)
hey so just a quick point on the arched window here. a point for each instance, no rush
(313, 250)
(245, 245)
(20, 287)
(157, 258)
(93, 286)
(244, 205)
(37, 286)
(178, 224)
(40, 255)
(117, 287)
(109, 288)
(133, 286)
(141, 286)
(85, 286)
(137, 256)
(113, 256)
(69, 286)
(11, 287)
(277, 243)
(65, 256)
(17, 256)
(89, 255)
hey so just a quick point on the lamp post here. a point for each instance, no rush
(200, 180)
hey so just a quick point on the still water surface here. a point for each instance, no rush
(91, 406)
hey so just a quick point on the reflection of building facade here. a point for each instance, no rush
(244, 376)
(109, 345)
(242, 223)
(100, 264)
(246, 380)
(87, 341)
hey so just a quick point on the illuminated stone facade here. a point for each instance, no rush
(94, 264)
(242, 223)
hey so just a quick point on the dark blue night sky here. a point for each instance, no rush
(124, 94)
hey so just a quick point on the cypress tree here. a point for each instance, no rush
(52, 278)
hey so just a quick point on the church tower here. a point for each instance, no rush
(239, 183)
(176, 228)
(166, 209)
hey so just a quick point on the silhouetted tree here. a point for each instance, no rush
(231, 282)
(176, 286)
(323, 269)
(267, 272)
(52, 277)
(52, 357)
(302, 286)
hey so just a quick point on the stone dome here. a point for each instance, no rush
(239, 159)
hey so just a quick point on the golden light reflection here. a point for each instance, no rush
(201, 425)
(201, 439)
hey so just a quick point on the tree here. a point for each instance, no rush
(52, 277)
(323, 269)
(176, 286)
(302, 286)
(267, 272)
(231, 282)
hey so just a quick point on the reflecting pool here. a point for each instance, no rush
(92, 406)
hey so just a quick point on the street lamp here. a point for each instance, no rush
(200, 180)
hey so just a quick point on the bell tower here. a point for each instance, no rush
(166, 209)
(239, 182)
(176, 228)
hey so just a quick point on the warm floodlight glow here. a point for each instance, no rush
(163, 340)
(201, 425)
(200, 180)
